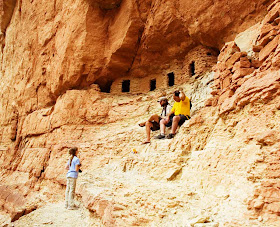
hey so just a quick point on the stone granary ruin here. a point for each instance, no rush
(84, 73)
(197, 62)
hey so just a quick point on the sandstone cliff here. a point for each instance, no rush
(61, 59)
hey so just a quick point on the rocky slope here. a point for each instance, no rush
(220, 169)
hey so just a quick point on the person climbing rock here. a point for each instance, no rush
(153, 122)
(73, 167)
(179, 113)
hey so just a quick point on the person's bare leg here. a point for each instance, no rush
(163, 122)
(175, 123)
(154, 117)
(148, 131)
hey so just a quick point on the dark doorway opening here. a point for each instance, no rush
(106, 87)
(171, 79)
(192, 68)
(126, 86)
(104, 84)
(209, 54)
(153, 84)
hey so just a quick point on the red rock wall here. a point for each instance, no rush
(237, 74)
(66, 45)
(241, 80)
(69, 45)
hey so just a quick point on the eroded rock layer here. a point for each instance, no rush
(61, 59)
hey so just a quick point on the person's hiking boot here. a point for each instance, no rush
(170, 136)
(160, 136)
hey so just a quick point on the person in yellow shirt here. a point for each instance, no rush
(179, 113)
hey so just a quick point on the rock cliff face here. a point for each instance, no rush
(58, 62)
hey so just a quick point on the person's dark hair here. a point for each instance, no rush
(72, 152)
(177, 93)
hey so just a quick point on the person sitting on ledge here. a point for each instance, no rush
(153, 121)
(180, 112)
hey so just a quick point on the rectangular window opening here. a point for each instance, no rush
(126, 86)
(153, 84)
(171, 79)
(192, 68)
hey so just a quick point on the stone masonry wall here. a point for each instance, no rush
(202, 58)
(139, 85)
